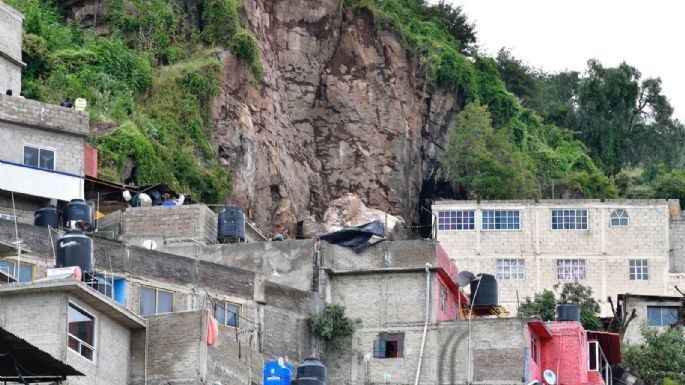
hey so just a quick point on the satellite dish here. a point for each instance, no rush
(464, 278)
(550, 377)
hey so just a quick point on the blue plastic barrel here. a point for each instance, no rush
(275, 374)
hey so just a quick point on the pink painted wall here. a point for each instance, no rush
(446, 280)
(566, 354)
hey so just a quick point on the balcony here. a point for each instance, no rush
(39, 182)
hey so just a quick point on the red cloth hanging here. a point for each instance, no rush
(212, 329)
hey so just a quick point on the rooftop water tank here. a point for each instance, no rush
(77, 210)
(75, 249)
(484, 290)
(231, 225)
(568, 312)
(275, 374)
(311, 372)
(46, 216)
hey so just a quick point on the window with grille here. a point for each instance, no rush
(570, 269)
(662, 315)
(639, 270)
(534, 348)
(389, 345)
(510, 268)
(39, 157)
(81, 332)
(569, 220)
(456, 220)
(155, 301)
(227, 313)
(501, 220)
(619, 218)
(443, 299)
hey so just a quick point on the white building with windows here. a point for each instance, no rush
(613, 246)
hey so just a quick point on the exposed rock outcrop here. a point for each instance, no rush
(341, 109)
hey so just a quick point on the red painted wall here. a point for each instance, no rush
(446, 280)
(566, 354)
(90, 161)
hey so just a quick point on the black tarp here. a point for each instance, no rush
(356, 238)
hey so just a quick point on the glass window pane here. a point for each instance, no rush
(220, 313)
(81, 325)
(232, 315)
(654, 315)
(147, 301)
(30, 156)
(25, 273)
(47, 159)
(166, 302)
(669, 316)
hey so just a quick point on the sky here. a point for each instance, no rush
(559, 35)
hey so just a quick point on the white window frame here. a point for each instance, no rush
(568, 263)
(81, 343)
(39, 148)
(638, 269)
(575, 216)
(464, 225)
(621, 214)
(516, 266)
(506, 216)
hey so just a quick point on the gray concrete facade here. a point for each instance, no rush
(10, 49)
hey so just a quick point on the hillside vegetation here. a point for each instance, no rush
(523, 133)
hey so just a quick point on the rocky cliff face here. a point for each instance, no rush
(341, 109)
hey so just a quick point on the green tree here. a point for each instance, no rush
(332, 326)
(669, 184)
(660, 359)
(484, 161)
(544, 304)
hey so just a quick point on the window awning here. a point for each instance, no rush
(19, 360)
(540, 329)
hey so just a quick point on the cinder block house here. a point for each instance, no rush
(613, 246)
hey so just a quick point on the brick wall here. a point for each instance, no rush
(234, 359)
(25, 112)
(68, 148)
(633, 333)
(10, 49)
(382, 255)
(606, 250)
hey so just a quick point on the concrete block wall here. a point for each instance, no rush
(26, 112)
(41, 319)
(289, 263)
(187, 223)
(10, 49)
(606, 250)
(633, 333)
(499, 355)
(382, 255)
(176, 350)
(68, 148)
(234, 362)
(677, 238)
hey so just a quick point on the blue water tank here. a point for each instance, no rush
(275, 374)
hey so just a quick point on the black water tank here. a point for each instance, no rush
(568, 312)
(311, 372)
(75, 249)
(77, 210)
(484, 290)
(46, 216)
(231, 225)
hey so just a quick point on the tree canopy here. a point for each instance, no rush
(544, 304)
(660, 360)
